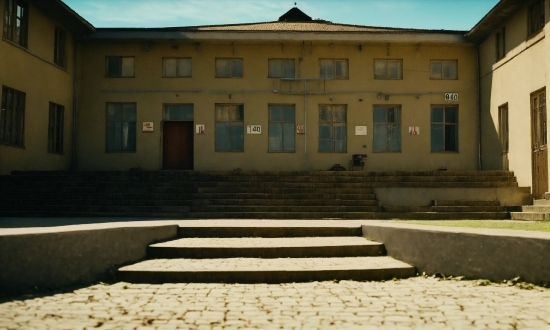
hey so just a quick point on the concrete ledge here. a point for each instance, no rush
(51, 258)
(475, 253)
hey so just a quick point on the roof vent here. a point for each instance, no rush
(294, 15)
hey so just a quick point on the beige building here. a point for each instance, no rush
(292, 94)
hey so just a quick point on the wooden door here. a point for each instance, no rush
(539, 143)
(177, 145)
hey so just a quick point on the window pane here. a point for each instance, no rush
(288, 136)
(289, 113)
(380, 133)
(339, 114)
(437, 137)
(178, 112)
(114, 136)
(276, 68)
(339, 137)
(113, 66)
(379, 114)
(394, 69)
(449, 70)
(341, 69)
(222, 136)
(437, 115)
(222, 113)
(114, 111)
(451, 115)
(394, 138)
(222, 68)
(237, 136)
(289, 69)
(380, 69)
(127, 66)
(236, 112)
(325, 113)
(436, 69)
(275, 113)
(275, 137)
(237, 68)
(170, 67)
(324, 138)
(129, 112)
(184, 67)
(327, 69)
(129, 136)
(450, 138)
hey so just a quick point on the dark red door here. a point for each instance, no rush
(178, 145)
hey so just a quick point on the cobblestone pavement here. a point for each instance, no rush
(413, 303)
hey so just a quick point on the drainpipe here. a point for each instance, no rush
(73, 142)
(479, 157)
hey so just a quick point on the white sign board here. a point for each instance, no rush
(360, 130)
(199, 129)
(300, 129)
(254, 129)
(147, 126)
(414, 130)
(451, 97)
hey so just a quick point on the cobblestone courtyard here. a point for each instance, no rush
(412, 303)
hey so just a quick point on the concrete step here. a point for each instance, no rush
(367, 194)
(269, 232)
(536, 208)
(49, 214)
(94, 209)
(96, 190)
(284, 202)
(440, 202)
(256, 270)
(443, 215)
(91, 201)
(530, 216)
(350, 215)
(468, 209)
(541, 202)
(283, 208)
(261, 247)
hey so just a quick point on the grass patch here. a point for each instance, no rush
(498, 224)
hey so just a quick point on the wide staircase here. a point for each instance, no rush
(243, 194)
(539, 211)
(264, 254)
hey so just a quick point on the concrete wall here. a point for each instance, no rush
(415, 93)
(512, 80)
(33, 72)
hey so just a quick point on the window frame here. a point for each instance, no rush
(231, 60)
(10, 23)
(503, 128)
(122, 120)
(229, 121)
(281, 122)
(386, 77)
(17, 117)
(166, 106)
(445, 124)
(120, 59)
(334, 60)
(535, 16)
(283, 60)
(60, 47)
(177, 67)
(56, 122)
(500, 43)
(388, 124)
(441, 62)
(332, 129)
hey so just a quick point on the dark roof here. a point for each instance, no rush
(294, 15)
(494, 19)
(62, 13)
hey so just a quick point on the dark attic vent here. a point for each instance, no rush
(294, 15)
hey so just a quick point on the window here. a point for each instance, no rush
(503, 127)
(178, 112)
(55, 128)
(444, 128)
(332, 128)
(281, 68)
(444, 69)
(229, 127)
(333, 69)
(12, 117)
(176, 67)
(501, 44)
(121, 127)
(59, 47)
(536, 17)
(387, 128)
(229, 68)
(16, 21)
(281, 128)
(118, 66)
(388, 69)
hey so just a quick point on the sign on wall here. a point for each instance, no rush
(254, 129)
(300, 129)
(199, 129)
(147, 126)
(451, 97)
(360, 130)
(414, 130)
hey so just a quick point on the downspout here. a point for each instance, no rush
(479, 160)
(73, 142)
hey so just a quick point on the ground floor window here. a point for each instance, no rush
(55, 128)
(121, 127)
(503, 127)
(387, 128)
(444, 128)
(332, 128)
(12, 117)
(281, 128)
(229, 127)
(178, 112)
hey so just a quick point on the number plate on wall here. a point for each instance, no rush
(451, 97)
(254, 129)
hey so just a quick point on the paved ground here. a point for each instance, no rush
(413, 303)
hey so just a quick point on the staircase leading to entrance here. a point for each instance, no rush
(243, 194)
(539, 211)
(265, 255)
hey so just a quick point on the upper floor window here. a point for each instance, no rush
(388, 69)
(59, 47)
(281, 68)
(16, 21)
(12, 117)
(536, 17)
(176, 67)
(444, 69)
(501, 43)
(229, 68)
(118, 66)
(333, 69)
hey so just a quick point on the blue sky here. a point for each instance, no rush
(422, 14)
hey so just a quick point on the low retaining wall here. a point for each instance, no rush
(475, 253)
(56, 258)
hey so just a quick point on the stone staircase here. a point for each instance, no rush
(243, 194)
(539, 211)
(261, 254)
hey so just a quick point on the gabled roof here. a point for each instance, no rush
(294, 15)
(62, 13)
(494, 19)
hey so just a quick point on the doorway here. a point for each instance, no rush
(177, 145)
(539, 143)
